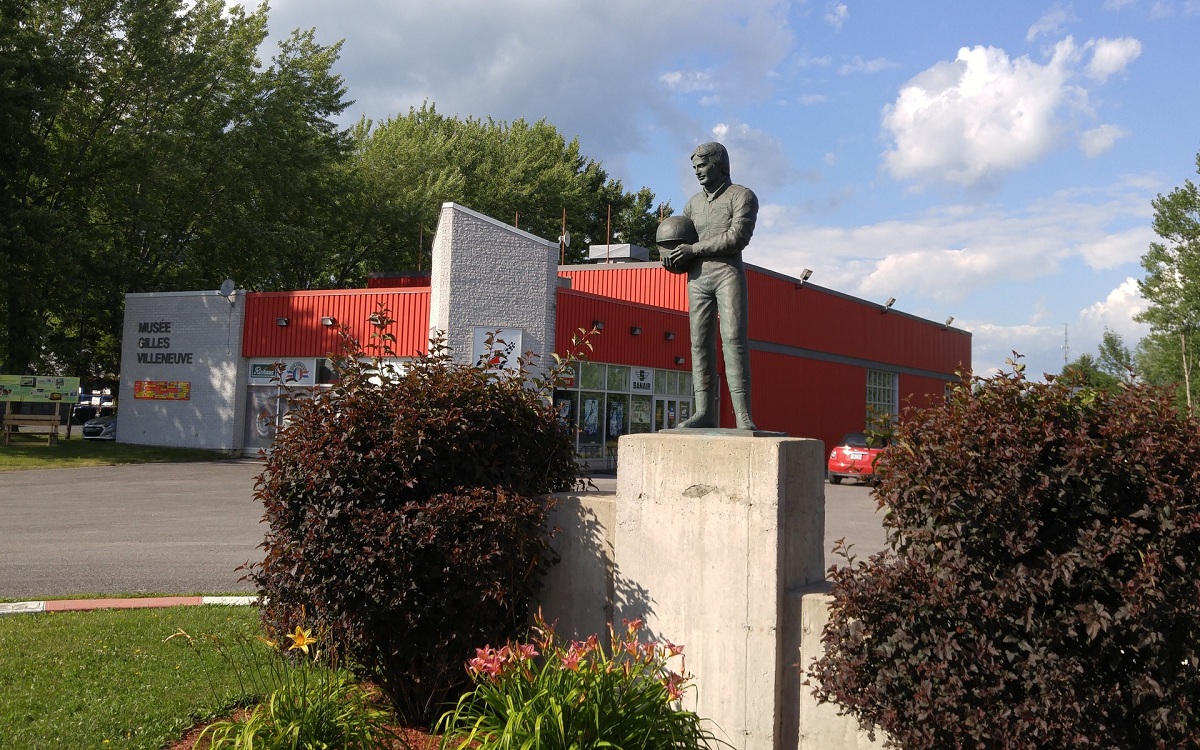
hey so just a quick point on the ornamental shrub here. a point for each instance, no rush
(407, 513)
(1041, 588)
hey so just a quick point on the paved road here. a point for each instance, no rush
(184, 528)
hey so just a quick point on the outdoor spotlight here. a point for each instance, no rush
(635, 331)
(598, 325)
(888, 305)
(669, 335)
(949, 320)
(281, 321)
(328, 321)
(806, 274)
(679, 360)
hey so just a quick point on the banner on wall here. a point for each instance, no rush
(163, 390)
(39, 388)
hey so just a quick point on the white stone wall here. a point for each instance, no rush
(488, 274)
(196, 338)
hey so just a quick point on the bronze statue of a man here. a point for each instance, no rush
(723, 214)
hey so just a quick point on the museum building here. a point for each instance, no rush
(210, 369)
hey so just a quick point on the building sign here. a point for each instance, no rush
(154, 340)
(289, 372)
(505, 347)
(642, 381)
(163, 390)
(47, 389)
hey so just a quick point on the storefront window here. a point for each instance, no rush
(617, 423)
(618, 378)
(566, 404)
(640, 414)
(592, 377)
(591, 428)
(673, 382)
(660, 383)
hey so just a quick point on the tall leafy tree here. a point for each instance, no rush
(1172, 284)
(159, 154)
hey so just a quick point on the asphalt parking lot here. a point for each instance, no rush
(185, 528)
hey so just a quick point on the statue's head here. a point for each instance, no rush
(710, 161)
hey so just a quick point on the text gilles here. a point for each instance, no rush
(158, 342)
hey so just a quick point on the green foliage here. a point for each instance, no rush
(576, 696)
(305, 699)
(1040, 586)
(407, 515)
(515, 171)
(1172, 287)
(1085, 372)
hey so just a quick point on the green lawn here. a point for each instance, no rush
(31, 452)
(108, 679)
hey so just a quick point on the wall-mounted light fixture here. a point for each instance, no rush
(949, 320)
(805, 275)
(669, 335)
(328, 321)
(281, 321)
(888, 305)
(598, 325)
(679, 360)
(635, 331)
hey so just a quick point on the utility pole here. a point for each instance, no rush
(1066, 346)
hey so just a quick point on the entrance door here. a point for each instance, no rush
(669, 412)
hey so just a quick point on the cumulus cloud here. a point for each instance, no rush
(836, 15)
(972, 120)
(1115, 312)
(982, 114)
(1096, 141)
(1110, 56)
(756, 157)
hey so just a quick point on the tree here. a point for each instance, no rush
(153, 153)
(1085, 371)
(1172, 283)
(1115, 359)
(518, 172)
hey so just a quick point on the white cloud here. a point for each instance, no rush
(811, 99)
(966, 121)
(688, 82)
(1096, 141)
(837, 14)
(859, 65)
(1115, 312)
(1117, 4)
(756, 157)
(1051, 23)
(1110, 56)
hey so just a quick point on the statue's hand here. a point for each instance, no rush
(682, 256)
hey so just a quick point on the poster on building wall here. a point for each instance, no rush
(163, 390)
(289, 372)
(498, 348)
(41, 388)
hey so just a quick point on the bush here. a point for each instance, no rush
(549, 696)
(1041, 586)
(407, 516)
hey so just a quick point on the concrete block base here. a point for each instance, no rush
(716, 537)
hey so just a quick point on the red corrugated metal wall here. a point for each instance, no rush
(304, 336)
(616, 345)
(805, 397)
(646, 284)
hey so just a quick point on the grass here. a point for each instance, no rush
(108, 679)
(31, 452)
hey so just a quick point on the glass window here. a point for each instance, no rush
(566, 404)
(617, 423)
(569, 377)
(673, 382)
(640, 414)
(685, 384)
(592, 377)
(660, 383)
(882, 399)
(591, 424)
(618, 378)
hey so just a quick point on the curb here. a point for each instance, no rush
(83, 605)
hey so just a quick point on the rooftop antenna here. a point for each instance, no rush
(1066, 346)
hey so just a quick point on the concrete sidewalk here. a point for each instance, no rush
(147, 602)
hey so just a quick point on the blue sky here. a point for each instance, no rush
(991, 161)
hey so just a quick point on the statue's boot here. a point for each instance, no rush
(741, 409)
(701, 418)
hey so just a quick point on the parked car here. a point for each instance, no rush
(101, 428)
(854, 458)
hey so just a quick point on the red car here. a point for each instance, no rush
(853, 458)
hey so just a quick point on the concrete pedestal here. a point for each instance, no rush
(717, 535)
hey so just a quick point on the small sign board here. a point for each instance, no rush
(163, 390)
(39, 388)
(289, 372)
